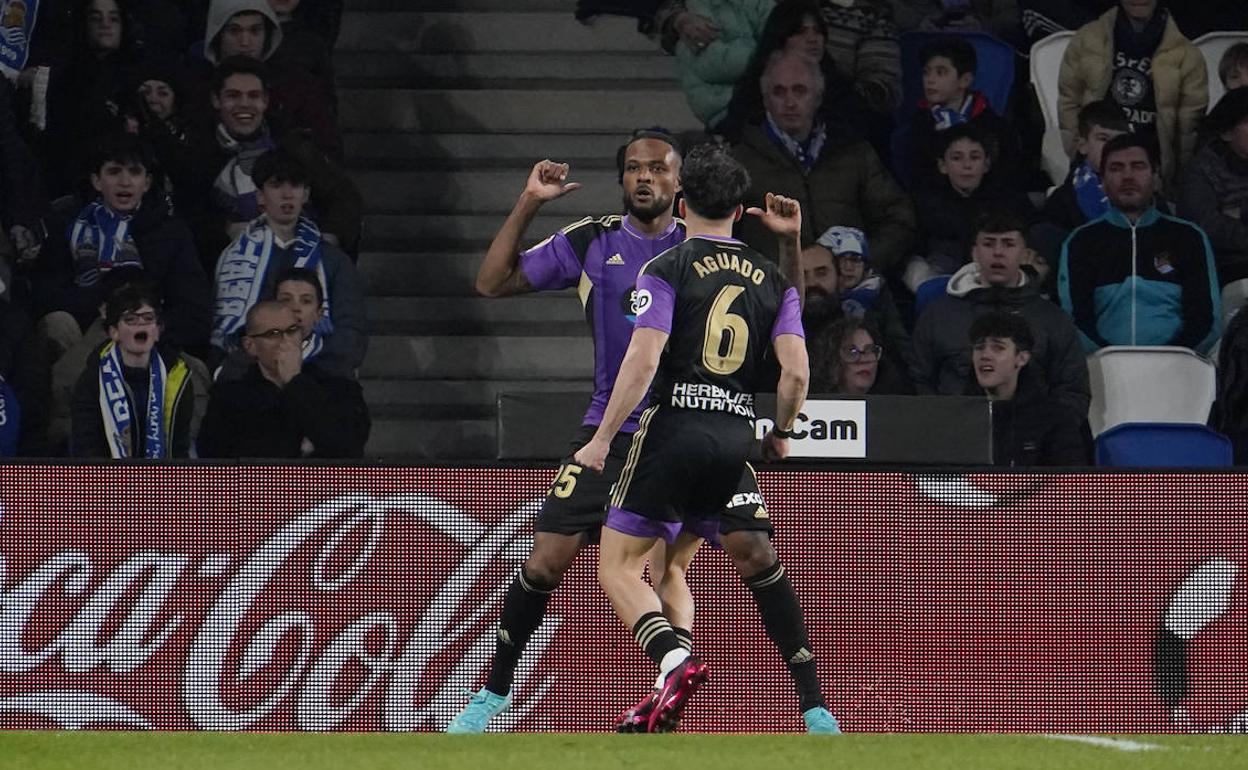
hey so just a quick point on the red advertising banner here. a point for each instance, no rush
(302, 598)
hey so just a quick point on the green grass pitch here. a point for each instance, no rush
(373, 751)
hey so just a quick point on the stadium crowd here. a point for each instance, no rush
(178, 234)
(170, 170)
(925, 213)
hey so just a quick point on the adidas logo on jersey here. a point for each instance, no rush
(615, 259)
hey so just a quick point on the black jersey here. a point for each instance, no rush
(722, 303)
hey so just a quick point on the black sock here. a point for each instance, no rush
(655, 635)
(523, 610)
(685, 637)
(782, 617)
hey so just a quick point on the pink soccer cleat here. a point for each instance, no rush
(677, 689)
(637, 719)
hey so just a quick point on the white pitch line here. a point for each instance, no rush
(1108, 743)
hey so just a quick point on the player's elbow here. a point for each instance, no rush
(487, 287)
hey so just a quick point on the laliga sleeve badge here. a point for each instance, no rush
(642, 300)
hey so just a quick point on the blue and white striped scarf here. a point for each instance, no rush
(116, 407)
(99, 240)
(241, 275)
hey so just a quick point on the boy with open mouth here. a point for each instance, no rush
(137, 400)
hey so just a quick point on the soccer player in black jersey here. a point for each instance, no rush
(708, 310)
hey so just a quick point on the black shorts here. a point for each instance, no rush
(577, 500)
(690, 467)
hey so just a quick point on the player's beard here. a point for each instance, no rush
(658, 206)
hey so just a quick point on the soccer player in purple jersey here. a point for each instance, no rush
(708, 312)
(602, 257)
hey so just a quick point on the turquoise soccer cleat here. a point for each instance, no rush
(819, 721)
(476, 716)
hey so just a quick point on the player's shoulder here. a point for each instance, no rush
(583, 233)
(592, 227)
(673, 260)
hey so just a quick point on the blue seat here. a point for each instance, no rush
(1163, 445)
(928, 292)
(994, 76)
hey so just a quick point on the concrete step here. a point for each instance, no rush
(501, 111)
(517, 151)
(394, 274)
(460, 232)
(480, 192)
(441, 394)
(494, 357)
(420, 441)
(471, 32)
(393, 69)
(563, 307)
(534, 315)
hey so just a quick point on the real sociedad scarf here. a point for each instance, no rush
(806, 153)
(99, 239)
(116, 407)
(1089, 192)
(944, 118)
(240, 279)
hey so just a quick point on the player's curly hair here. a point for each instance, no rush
(714, 183)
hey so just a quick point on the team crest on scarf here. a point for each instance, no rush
(99, 240)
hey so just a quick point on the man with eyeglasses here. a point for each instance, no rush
(285, 237)
(283, 406)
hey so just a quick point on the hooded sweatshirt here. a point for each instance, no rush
(942, 348)
(220, 11)
(307, 102)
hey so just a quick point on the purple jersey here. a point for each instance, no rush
(601, 257)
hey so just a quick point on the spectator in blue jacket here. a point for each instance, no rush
(1136, 276)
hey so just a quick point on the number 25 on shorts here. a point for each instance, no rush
(565, 482)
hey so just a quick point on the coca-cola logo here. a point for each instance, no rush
(231, 645)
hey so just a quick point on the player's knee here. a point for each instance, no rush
(551, 557)
(546, 569)
(751, 552)
(669, 581)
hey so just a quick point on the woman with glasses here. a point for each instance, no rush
(846, 360)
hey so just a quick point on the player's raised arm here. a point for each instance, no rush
(783, 216)
(790, 393)
(500, 274)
